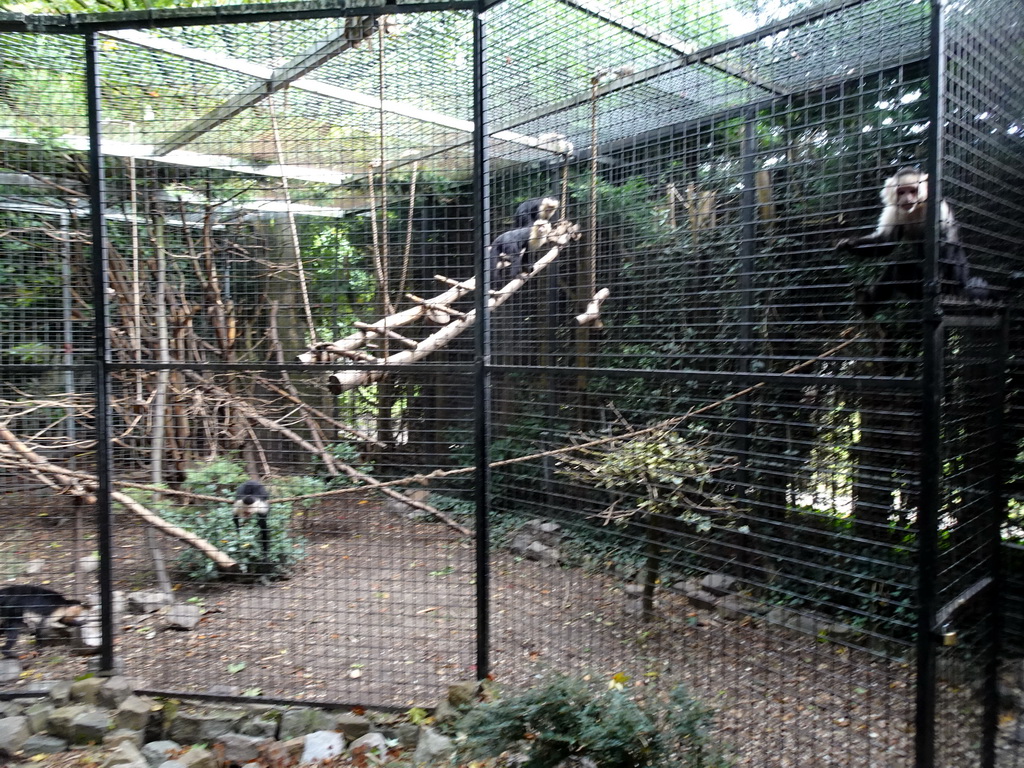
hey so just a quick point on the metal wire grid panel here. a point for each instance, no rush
(270, 185)
(379, 604)
(710, 189)
(215, 281)
(48, 386)
(981, 172)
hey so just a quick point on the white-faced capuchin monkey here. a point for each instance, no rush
(252, 499)
(20, 599)
(510, 248)
(904, 209)
(536, 208)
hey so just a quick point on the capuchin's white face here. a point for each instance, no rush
(547, 208)
(247, 506)
(908, 196)
(908, 193)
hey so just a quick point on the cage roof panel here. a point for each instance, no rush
(698, 74)
(358, 89)
(838, 45)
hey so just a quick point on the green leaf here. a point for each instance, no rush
(417, 715)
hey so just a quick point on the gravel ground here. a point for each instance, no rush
(381, 612)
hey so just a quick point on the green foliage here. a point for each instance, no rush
(833, 571)
(664, 472)
(521, 437)
(451, 506)
(31, 352)
(567, 717)
(626, 212)
(417, 715)
(347, 453)
(343, 278)
(218, 478)
(215, 523)
(30, 272)
(298, 486)
(690, 723)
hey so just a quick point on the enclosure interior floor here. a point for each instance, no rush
(381, 612)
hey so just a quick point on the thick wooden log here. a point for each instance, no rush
(343, 381)
(85, 489)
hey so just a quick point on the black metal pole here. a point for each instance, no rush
(931, 408)
(162, 18)
(748, 233)
(994, 509)
(482, 374)
(97, 199)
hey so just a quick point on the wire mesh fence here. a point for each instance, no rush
(682, 420)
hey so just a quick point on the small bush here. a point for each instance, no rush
(452, 506)
(566, 718)
(215, 523)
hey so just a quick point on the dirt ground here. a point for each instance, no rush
(382, 612)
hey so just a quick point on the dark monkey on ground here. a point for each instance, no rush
(904, 210)
(252, 499)
(46, 604)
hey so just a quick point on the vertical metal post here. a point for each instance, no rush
(994, 506)
(931, 407)
(482, 374)
(67, 304)
(97, 201)
(748, 233)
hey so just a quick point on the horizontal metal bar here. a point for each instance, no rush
(40, 368)
(863, 383)
(738, 377)
(339, 705)
(313, 368)
(158, 18)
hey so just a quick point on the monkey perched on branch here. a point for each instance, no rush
(510, 248)
(904, 210)
(534, 219)
(529, 211)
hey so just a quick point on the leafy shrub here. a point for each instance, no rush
(347, 453)
(566, 717)
(215, 523)
(452, 506)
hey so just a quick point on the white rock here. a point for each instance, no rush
(322, 745)
(372, 743)
(148, 601)
(183, 616)
(126, 755)
(432, 746)
(10, 669)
